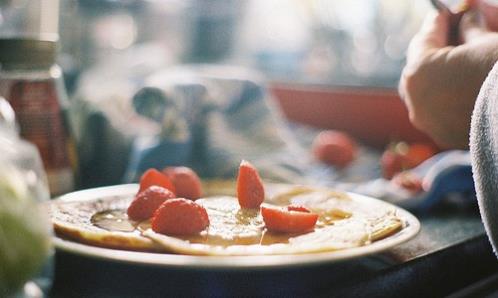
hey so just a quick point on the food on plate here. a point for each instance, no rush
(343, 221)
(186, 182)
(250, 189)
(147, 201)
(101, 222)
(335, 148)
(400, 156)
(290, 219)
(298, 208)
(179, 217)
(155, 177)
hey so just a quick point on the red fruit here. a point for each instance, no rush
(154, 177)
(187, 183)
(250, 189)
(298, 208)
(401, 156)
(180, 217)
(334, 148)
(418, 153)
(147, 201)
(391, 163)
(279, 219)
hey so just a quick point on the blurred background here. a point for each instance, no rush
(135, 85)
(332, 42)
(338, 42)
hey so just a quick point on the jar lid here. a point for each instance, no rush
(27, 53)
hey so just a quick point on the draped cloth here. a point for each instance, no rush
(484, 154)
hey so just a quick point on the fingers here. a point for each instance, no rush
(471, 3)
(434, 30)
(432, 36)
(471, 27)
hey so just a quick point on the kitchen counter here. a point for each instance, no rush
(450, 252)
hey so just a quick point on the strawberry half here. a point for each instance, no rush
(250, 189)
(288, 220)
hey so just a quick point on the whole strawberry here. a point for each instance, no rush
(180, 217)
(147, 201)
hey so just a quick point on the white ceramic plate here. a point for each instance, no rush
(226, 262)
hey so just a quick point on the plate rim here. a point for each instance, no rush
(226, 262)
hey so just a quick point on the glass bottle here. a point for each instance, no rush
(32, 83)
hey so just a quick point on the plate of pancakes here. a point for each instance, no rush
(93, 223)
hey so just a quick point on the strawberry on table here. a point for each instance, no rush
(401, 156)
(180, 217)
(147, 201)
(408, 181)
(336, 148)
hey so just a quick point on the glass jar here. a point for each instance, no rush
(26, 252)
(32, 83)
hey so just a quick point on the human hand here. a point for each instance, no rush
(489, 12)
(440, 82)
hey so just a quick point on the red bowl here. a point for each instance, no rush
(374, 116)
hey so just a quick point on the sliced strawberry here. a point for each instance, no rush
(298, 208)
(280, 219)
(180, 217)
(154, 177)
(250, 189)
(187, 183)
(147, 201)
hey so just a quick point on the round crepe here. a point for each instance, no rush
(345, 221)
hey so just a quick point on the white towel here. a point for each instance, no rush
(484, 154)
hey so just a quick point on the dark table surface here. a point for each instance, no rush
(450, 252)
